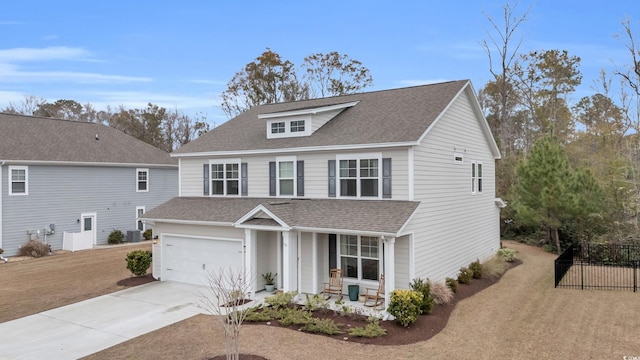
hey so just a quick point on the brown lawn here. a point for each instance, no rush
(522, 317)
(34, 285)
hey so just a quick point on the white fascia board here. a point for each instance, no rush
(82, 163)
(299, 149)
(263, 227)
(401, 231)
(343, 231)
(311, 111)
(188, 222)
(256, 210)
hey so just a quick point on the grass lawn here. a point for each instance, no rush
(520, 317)
(34, 285)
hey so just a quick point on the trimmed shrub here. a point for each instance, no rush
(405, 306)
(508, 254)
(288, 317)
(1, 251)
(281, 300)
(116, 237)
(322, 326)
(315, 302)
(464, 276)
(255, 316)
(476, 268)
(139, 261)
(34, 248)
(373, 329)
(452, 284)
(147, 234)
(424, 288)
(441, 293)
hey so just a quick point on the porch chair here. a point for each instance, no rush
(375, 297)
(334, 286)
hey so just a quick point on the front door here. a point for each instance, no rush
(88, 226)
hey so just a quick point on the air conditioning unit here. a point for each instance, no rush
(133, 236)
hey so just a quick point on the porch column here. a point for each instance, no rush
(251, 259)
(314, 262)
(389, 268)
(286, 261)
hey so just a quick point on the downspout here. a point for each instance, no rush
(1, 219)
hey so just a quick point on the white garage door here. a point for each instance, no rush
(190, 260)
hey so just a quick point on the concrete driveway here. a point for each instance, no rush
(80, 329)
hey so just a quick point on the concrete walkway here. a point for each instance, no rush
(81, 329)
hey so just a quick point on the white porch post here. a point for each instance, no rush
(286, 261)
(389, 268)
(298, 257)
(314, 262)
(251, 259)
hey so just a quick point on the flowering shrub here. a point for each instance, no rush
(405, 306)
(508, 254)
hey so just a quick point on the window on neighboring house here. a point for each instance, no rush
(286, 178)
(142, 180)
(297, 126)
(19, 180)
(277, 128)
(476, 177)
(225, 179)
(359, 177)
(139, 223)
(360, 257)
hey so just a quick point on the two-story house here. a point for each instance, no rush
(396, 182)
(60, 178)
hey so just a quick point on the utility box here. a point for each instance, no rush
(133, 236)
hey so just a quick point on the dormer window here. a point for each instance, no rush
(297, 126)
(278, 127)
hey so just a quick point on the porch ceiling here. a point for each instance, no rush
(382, 216)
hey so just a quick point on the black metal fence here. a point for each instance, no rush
(602, 266)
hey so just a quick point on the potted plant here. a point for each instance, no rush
(269, 281)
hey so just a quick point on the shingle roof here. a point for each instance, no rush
(30, 138)
(387, 116)
(381, 216)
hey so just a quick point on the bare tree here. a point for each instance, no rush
(27, 107)
(228, 290)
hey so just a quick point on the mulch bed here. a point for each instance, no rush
(423, 329)
(136, 280)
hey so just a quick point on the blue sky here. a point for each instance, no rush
(182, 54)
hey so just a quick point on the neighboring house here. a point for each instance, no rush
(62, 177)
(396, 182)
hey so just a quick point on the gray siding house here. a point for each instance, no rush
(398, 182)
(62, 178)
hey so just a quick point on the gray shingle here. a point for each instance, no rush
(383, 216)
(397, 115)
(30, 138)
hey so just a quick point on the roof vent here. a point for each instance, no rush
(97, 137)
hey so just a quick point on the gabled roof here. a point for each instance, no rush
(388, 116)
(374, 216)
(36, 139)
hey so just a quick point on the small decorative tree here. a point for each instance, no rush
(139, 261)
(226, 294)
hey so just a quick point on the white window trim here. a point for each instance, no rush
(293, 159)
(359, 157)
(224, 182)
(287, 127)
(138, 171)
(359, 257)
(477, 179)
(144, 226)
(10, 182)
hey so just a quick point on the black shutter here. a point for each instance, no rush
(244, 191)
(300, 177)
(386, 178)
(205, 177)
(272, 178)
(332, 178)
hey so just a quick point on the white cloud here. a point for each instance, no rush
(135, 99)
(43, 54)
(11, 96)
(208, 82)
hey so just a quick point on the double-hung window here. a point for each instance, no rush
(225, 178)
(360, 257)
(286, 177)
(278, 127)
(139, 223)
(297, 126)
(142, 180)
(359, 177)
(476, 177)
(18, 180)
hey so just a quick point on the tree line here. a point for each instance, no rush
(569, 171)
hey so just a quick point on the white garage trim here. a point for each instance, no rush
(197, 256)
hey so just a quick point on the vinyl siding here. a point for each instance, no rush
(453, 227)
(267, 259)
(306, 263)
(401, 259)
(315, 176)
(59, 194)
